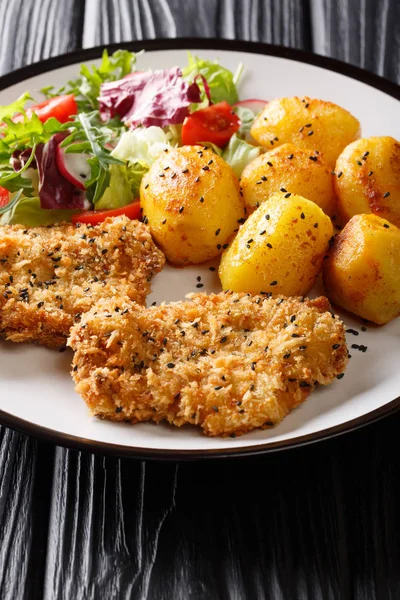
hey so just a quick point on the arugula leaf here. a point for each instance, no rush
(86, 87)
(88, 135)
(238, 154)
(220, 80)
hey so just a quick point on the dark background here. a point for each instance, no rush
(320, 522)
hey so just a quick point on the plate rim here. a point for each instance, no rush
(83, 55)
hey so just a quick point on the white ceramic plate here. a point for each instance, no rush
(37, 393)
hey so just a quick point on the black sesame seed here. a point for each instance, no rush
(211, 269)
(210, 162)
(205, 168)
(340, 376)
(295, 335)
(225, 246)
(353, 331)
(253, 366)
(171, 365)
(269, 164)
(302, 347)
(308, 125)
(262, 232)
(185, 171)
(173, 175)
(292, 318)
(286, 355)
(218, 232)
(218, 387)
(269, 245)
(363, 328)
(181, 209)
(304, 384)
(290, 156)
(40, 304)
(197, 179)
(200, 285)
(386, 194)
(315, 225)
(273, 282)
(283, 190)
(339, 174)
(223, 340)
(310, 133)
(386, 225)
(146, 186)
(201, 198)
(335, 346)
(313, 158)
(370, 173)
(288, 195)
(359, 163)
(302, 216)
(267, 217)
(264, 178)
(104, 251)
(215, 408)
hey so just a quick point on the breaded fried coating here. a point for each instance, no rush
(226, 362)
(50, 276)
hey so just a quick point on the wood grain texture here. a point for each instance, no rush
(363, 32)
(286, 22)
(318, 523)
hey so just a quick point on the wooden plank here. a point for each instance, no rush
(30, 31)
(285, 22)
(36, 29)
(362, 32)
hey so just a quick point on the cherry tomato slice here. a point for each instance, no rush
(60, 107)
(4, 197)
(216, 124)
(94, 217)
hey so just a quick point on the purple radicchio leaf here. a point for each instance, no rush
(20, 158)
(54, 190)
(148, 98)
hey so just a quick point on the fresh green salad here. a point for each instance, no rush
(81, 153)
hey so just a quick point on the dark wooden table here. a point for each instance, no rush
(320, 522)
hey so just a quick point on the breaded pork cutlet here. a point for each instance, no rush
(49, 276)
(228, 362)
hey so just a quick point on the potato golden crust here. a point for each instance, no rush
(191, 202)
(279, 249)
(228, 362)
(362, 273)
(367, 179)
(50, 275)
(296, 170)
(307, 123)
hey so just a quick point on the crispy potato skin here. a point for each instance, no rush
(296, 170)
(279, 249)
(366, 171)
(191, 200)
(362, 273)
(307, 123)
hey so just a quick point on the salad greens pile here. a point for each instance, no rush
(125, 119)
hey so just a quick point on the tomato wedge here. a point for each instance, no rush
(94, 217)
(60, 107)
(4, 197)
(216, 124)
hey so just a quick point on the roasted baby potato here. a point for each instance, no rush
(191, 202)
(292, 169)
(362, 273)
(279, 249)
(367, 179)
(307, 123)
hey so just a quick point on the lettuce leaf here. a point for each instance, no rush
(143, 145)
(118, 193)
(86, 87)
(27, 212)
(219, 79)
(246, 117)
(238, 154)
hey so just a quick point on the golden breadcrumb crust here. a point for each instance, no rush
(227, 362)
(49, 276)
